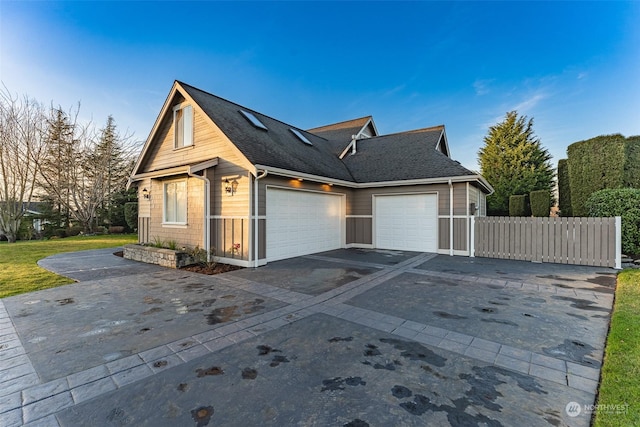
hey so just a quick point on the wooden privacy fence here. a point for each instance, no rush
(580, 241)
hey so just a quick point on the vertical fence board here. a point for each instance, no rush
(581, 241)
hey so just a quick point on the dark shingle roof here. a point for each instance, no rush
(278, 146)
(401, 156)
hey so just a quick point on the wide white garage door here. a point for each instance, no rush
(407, 222)
(301, 223)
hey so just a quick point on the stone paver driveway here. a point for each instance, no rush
(342, 338)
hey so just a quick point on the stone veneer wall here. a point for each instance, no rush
(160, 256)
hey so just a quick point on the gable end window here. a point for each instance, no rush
(183, 126)
(175, 202)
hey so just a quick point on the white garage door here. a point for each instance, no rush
(407, 222)
(301, 223)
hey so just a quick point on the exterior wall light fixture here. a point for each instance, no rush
(145, 193)
(230, 187)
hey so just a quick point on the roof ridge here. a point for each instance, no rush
(340, 123)
(430, 128)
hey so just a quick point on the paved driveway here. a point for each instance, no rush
(342, 338)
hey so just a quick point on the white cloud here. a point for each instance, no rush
(529, 103)
(482, 86)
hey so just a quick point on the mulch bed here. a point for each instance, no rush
(216, 269)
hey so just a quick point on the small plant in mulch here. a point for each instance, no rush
(207, 264)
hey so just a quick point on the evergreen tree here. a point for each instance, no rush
(109, 163)
(83, 168)
(514, 162)
(55, 170)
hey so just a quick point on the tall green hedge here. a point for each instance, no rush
(518, 205)
(623, 202)
(594, 164)
(564, 189)
(540, 201)
(632, 162)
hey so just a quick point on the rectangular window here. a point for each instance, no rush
(175, 202)
(183, 126)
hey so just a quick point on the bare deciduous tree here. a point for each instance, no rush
(21, 129)
(94, 166)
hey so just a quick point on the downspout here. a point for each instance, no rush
(207, 210)
(255, 216)
(450, 218)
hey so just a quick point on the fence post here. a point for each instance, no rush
(618, 242)
(472, 236)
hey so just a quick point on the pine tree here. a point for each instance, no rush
(514, 162)
(55, 167)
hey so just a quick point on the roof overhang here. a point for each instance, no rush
(482, 183)
(178, 170)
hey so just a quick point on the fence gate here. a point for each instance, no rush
(571, 240)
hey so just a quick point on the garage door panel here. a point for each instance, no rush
(300, 223)
(406, 222)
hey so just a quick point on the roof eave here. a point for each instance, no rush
(177, 170)
(420, 181)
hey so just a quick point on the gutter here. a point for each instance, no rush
(258, 176)
(450, 218)
(350, 184)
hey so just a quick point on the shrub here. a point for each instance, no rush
(564, 189)
(623, 202)
(116, 229)
(74, 230)
(199, 256)
(517, 205)
(60, 232)
(540, 202)
(131, 215)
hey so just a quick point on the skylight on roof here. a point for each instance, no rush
(253, 119)
(300, 136)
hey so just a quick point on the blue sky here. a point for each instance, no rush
(572, 66)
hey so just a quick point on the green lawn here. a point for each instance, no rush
(620, 384)
(20, 273)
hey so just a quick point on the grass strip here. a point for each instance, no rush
(19, 272)
(619, 394)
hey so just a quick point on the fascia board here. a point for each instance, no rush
(154, 129)
(316, 178)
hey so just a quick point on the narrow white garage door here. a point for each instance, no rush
(407, 222)
(301, 223)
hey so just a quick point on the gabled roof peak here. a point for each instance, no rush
(359, 122)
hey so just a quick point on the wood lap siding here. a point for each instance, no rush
(578, 241)
(208, 143)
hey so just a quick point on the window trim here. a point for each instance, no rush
(165, 222)
(187, 126)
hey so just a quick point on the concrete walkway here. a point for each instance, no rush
(342, 338)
